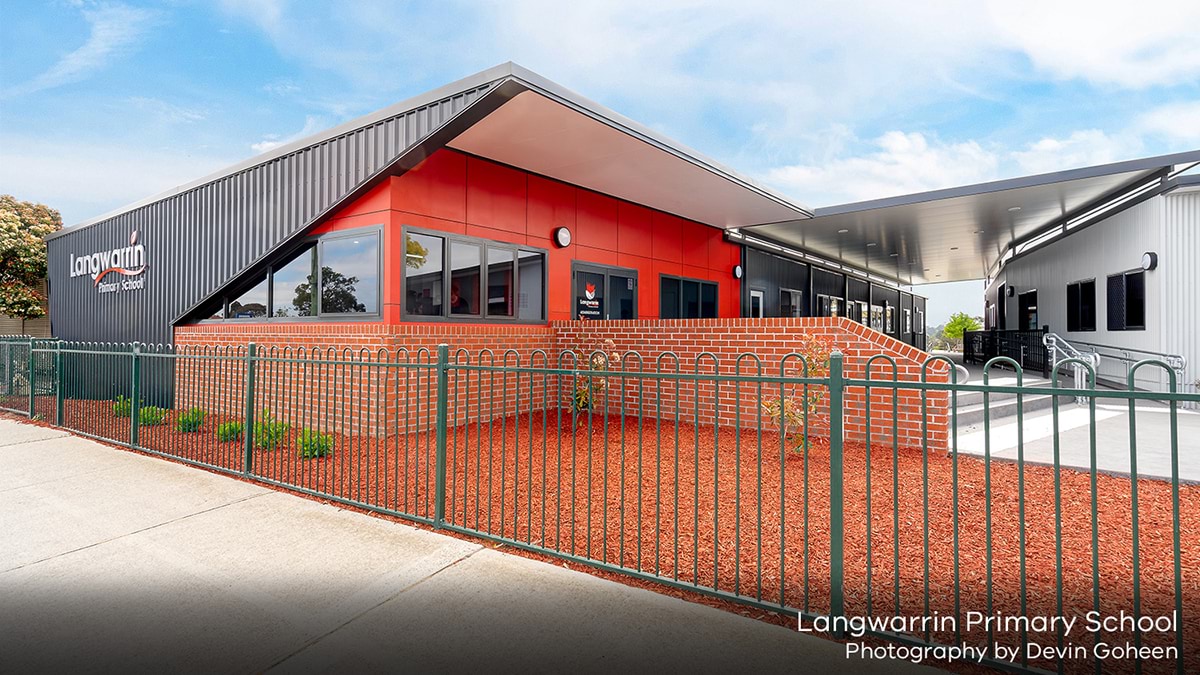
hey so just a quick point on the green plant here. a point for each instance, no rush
(190, 420)
(269, 433)
(313, 443)
(229, 431)
(800, 408)
(123, 407)
(151, 416)
(592, 354)
(38, 417)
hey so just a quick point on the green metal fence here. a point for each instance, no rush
(675, 472)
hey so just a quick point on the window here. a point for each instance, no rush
(348, 282)
(531, 285)
(864, 313)
(1081, 306)
(349, 274)
(920, 321)
(423, 276)
(791, 303)
(828, 306)
(908, 321)
(889, 322)
(250, 305)
(487, 279)
(1127, 301)
(1027, 303)
(877, 317)
(681, 298)
(292, 285)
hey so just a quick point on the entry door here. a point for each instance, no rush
(757, 299)
(604, 292)
(1029, 314)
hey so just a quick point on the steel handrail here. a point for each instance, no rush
(1178, 362)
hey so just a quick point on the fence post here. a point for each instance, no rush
(59, 397)
(836, 477)
(135, 403)
(31, 378)
(248, 424)
(439, 496)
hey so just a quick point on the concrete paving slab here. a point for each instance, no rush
(13, 432)
(51, 459)
(499, 613)
(83, 509)
(232, 589)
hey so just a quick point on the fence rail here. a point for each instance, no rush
(684, 474)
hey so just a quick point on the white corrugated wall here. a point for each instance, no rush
(1179, 263)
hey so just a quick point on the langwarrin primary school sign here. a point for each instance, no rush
(121, 269)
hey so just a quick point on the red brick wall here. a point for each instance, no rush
(383, 400)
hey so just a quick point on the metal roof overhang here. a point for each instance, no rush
(964, 233)
(548, 135)
(533, 124)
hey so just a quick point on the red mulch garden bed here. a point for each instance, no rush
(705, 509)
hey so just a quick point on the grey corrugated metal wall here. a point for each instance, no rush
(199, 239)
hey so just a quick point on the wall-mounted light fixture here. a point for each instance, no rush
(562, 237)
(738, 272)
(1149, 260)
(1010, 291)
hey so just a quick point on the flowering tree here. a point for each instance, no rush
(23, 228)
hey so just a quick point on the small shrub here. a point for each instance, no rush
(38, 417)
(151, 416)
(229, 431)
(313, 443)
(190, 420)
(269, 433)
(123, 407)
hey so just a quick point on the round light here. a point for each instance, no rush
(1013, 209)
(870, 243)
(738, 272)
(562, 237)
(843, 231)
(1149, 260)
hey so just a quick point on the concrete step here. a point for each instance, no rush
(972, 413)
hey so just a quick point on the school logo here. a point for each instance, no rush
(589, 291)
(106, 268)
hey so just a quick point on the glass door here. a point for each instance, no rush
(601, 292)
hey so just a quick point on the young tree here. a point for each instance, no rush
(960, 322)
(23, 228)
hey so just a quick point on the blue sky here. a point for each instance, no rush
(104, 103)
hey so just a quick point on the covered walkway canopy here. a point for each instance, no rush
(964, 233)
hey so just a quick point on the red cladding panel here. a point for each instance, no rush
(633, 229)
(667, 237)
(596, 219)
(437, 187)
(496, 196)
(551, 205)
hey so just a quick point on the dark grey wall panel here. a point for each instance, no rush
(199, 239)
(828, 283)
(770, 273)
(858, 290)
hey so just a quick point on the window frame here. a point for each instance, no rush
(699, 294)
(800, 293)
(315, 242)
(447, 280)
(1125, 277)
(1075, 318)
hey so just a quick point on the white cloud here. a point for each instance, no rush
(1179, 122)
(1105, 41)
(901, 163)
(114, 29)
(1087, 147)
(312, 124)
(167, 112)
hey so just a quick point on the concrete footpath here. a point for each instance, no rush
(113, 560)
